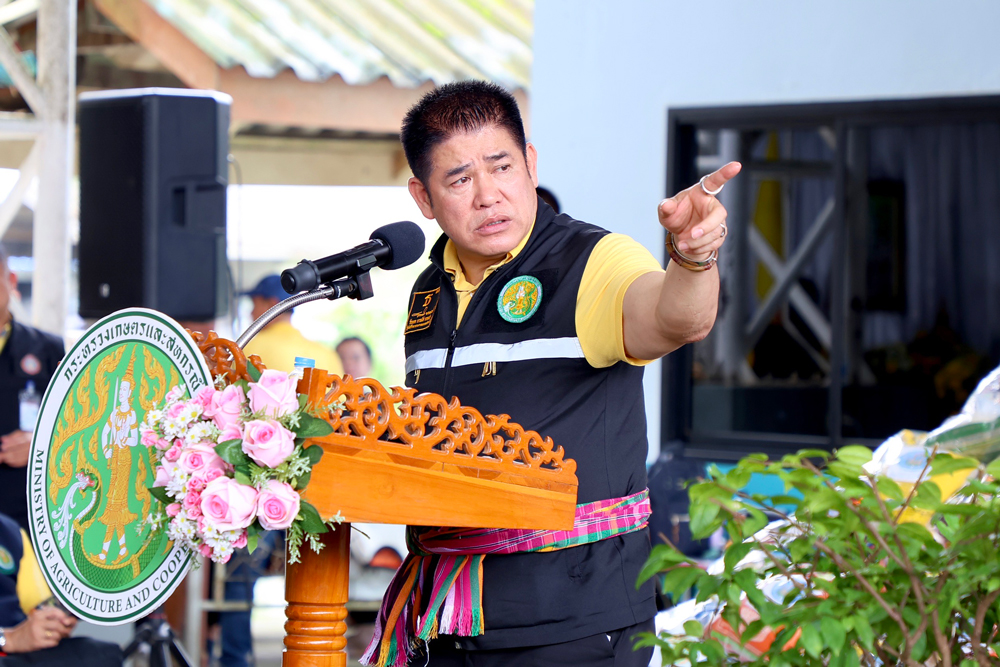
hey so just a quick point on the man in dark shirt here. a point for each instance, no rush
(27, 356)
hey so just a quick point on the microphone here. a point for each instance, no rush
(391, 247)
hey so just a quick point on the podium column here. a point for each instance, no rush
(316, 592)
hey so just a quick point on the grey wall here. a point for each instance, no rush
(605, 72)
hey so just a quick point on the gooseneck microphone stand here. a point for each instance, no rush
(354, 287)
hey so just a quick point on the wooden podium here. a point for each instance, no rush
(398, 457)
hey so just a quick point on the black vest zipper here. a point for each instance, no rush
(454, 332)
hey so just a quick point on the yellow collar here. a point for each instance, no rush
(453, 266)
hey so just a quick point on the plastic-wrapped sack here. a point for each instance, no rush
(902, 458)
(975, 431)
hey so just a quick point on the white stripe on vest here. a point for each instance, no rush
(526, 350)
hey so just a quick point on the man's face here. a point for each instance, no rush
(260, 305)
(355, 359)
(481, 190)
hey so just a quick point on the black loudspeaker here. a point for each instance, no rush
(153, 176)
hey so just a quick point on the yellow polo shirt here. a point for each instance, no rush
(614, 264)
(279, 343)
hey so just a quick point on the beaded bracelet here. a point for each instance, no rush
(687, 262)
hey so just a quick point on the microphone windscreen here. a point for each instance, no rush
(406, 241)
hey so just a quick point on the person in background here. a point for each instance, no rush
(279, 342)
(549, 198)
(27, 355)
(33, 630)
(356, 357)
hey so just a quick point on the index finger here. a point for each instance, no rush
(718, 178)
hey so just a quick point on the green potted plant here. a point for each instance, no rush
(859, 569)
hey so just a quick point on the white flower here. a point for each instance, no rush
(201, 432)
(190, 413)
(173, 429)
(177, 486)
(154, 417)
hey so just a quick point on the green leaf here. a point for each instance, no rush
(231, 451)
(302, 481)
(693, 629)
(312, 522)
(251, 542)
(661, 557)
(917, 532)
(944, 463)
(313, 453)
(253, 372)
(735, 554)
(854, 455)
(703, 515)
(312, 427)
(833, 633)
(242, 474)
(678, 580)
(811, 641)
(160, 494)
(302, 400)
(889, 488)
(927, 496)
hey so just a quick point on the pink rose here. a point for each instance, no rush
(199, 458)
(226, 406)
(240, 541)
(173, 453)
(274, 394)
(214, 473)
(277, 505)
(164, 473)
(228, 505)
(173, 509)
(205, 550)
(203, 396)
(149, 438)
(175, 410)
(196, 484)
(162, 444)
(231, 432)
(268, 443)
(175, 393)
(192, 499)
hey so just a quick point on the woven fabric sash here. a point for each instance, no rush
(445, 566)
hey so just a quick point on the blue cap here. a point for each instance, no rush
(305, 362)
(269, 287)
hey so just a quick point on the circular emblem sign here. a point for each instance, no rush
(519, 299)
(88, 475)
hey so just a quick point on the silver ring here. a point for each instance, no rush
(708, 192)
(725, 230)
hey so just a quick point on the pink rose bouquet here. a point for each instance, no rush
(231, 462)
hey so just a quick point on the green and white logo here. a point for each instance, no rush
(519, 299)
(7, 565)
(89, 474)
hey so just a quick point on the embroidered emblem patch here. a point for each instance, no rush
(30, 364)
(6, 562)
(422, 309)
(519, 299)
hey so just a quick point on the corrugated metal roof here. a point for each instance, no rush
(408, 41)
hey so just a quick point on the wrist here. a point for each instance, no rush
(693, 261)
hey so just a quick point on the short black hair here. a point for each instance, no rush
(463, 106)
(350, 339)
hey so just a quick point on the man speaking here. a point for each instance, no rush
(549, 320)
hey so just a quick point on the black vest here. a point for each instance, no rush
(29, 355)
(11, 550)
(545, 384)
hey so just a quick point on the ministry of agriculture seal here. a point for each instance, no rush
(88, 475)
